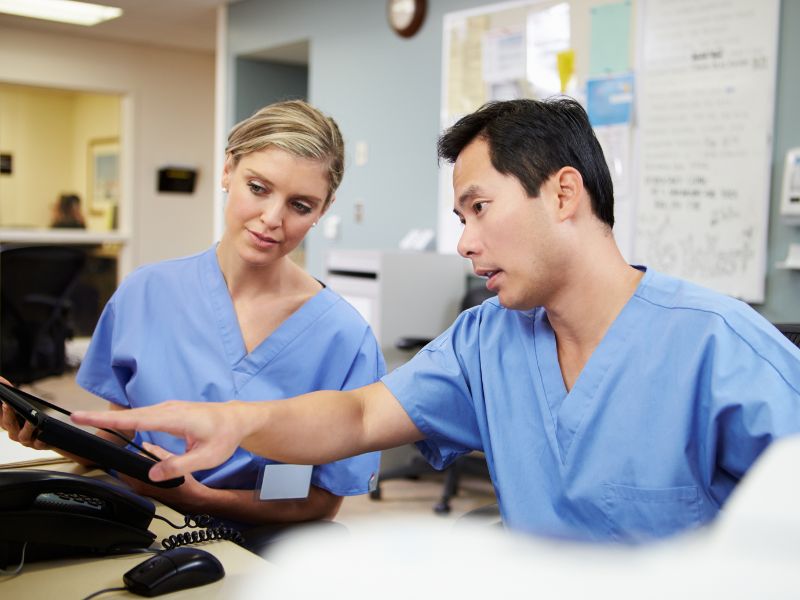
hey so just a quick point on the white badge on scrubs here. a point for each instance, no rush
(285, 482)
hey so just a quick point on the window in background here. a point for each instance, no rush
(61, 143)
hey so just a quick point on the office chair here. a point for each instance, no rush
(469, 464)
(791, 331)
(35, 284)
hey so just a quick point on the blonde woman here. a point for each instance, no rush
(242, 321)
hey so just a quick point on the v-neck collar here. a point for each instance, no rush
(568, 410)
(245, 365)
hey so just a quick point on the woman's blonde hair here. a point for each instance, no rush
(297, 128)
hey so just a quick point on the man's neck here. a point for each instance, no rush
(590, 302)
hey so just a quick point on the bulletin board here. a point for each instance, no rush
(681, 95)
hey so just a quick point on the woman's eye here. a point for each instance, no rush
(303, 209)
(256, 188)
(478, 206)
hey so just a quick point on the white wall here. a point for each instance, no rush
(169, 121)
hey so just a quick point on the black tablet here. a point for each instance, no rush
(55, 429)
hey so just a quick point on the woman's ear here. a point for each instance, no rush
(227, 171)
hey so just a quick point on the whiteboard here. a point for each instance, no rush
(706, 104)
(696, 200)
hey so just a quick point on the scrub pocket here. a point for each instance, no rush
(640, 514)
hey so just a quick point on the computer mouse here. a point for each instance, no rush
(173, 570)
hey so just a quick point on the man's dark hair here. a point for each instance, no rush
(532, 140)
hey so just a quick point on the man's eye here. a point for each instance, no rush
(478, 206)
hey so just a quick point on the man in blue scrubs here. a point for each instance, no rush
(612, 402)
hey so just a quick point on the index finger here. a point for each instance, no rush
(151, 418)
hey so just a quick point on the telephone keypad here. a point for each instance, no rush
(71, 501)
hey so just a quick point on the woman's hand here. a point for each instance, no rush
(212, 431)
(190, 497)
(25, 435)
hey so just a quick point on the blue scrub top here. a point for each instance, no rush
(683, 393)
(170, 332)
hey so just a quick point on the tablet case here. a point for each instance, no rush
(70, 438)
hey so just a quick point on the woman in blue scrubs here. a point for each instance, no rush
(242, 321)
(612, 402)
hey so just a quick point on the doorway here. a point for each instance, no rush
(272, 75)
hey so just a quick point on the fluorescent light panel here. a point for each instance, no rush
(64, 11)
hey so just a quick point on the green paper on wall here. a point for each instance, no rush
(610, 39)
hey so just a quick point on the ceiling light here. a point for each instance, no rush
(65, 11)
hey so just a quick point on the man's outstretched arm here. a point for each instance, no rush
(314, 428)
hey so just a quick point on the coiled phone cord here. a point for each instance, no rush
(210, 530)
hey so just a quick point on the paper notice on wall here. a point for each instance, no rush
(504, 55)
(548, 34)
(610, 39)
(465, 89)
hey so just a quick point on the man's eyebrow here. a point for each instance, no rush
(468, 194)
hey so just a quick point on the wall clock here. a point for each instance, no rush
(406, 16)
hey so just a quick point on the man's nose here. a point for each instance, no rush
(467, 244)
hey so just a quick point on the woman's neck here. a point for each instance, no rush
(244, 279)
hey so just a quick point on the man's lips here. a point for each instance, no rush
(490, 275)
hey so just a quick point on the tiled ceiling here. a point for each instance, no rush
(187, 24)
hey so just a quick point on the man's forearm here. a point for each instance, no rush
(315, 428)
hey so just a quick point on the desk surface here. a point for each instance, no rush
(61, 236)
(77, 578)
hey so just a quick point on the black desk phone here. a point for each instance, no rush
(49, 514)
(59, 515)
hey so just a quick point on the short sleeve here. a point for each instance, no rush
(355, 475)
(755, 400)
(436, 390)
(368, 365)
(100, 372)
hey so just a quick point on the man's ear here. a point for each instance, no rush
(570, 192)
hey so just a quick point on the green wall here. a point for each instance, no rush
(261, 82)
(386, 90)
